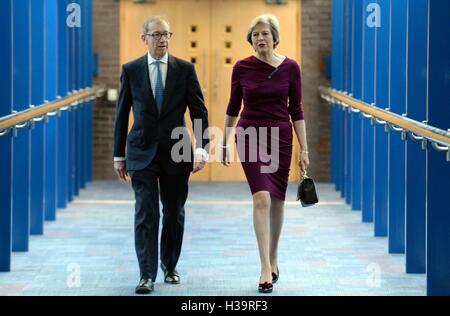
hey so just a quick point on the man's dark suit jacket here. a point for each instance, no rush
(151, 131)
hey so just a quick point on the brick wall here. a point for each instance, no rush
(107, 45)
(316, 42)
(107, 40)
(104, 113)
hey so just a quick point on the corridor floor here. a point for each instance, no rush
(324, 250)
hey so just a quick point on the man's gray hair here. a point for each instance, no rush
(151, 20)
(272, 21)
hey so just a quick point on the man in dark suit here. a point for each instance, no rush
(158, 87)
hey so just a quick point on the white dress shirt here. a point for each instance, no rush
(153, 73)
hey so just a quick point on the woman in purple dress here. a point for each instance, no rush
(270, 86)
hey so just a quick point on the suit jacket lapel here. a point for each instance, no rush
(147, 87)
(172, 74)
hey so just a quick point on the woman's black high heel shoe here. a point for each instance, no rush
(275, 276)
(265, 287)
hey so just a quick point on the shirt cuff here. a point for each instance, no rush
(119, 159)
(203, 152)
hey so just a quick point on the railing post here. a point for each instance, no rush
(6, 140)
(396, 228)
(72, 114)
(356, 120)
(381, 148)
(83, 118)
(63, 121)
(438, 182)
(21, 143)
(368, 130)
(415, 156)
(348, 64)
(51, 82)
(89, 75)
(77, 113)
(79, 86)
(37, 137)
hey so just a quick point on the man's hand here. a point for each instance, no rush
(121, 169)
(199, 162)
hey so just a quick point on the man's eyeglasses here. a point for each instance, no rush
(157, 35)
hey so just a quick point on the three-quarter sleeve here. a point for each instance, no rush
(295, 94)
(234, 105)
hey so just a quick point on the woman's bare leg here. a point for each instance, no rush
(261, 222)
(276, 224)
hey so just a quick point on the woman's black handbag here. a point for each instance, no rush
(306, 191)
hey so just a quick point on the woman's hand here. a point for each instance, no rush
(304, 161)
(225, 155)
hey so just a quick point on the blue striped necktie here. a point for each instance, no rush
(159, 88)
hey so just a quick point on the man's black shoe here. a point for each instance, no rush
(145, 286)
(171, 277)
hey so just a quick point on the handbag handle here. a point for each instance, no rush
(303, 174)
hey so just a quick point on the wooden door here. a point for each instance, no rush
(231, 19)
(212, 35)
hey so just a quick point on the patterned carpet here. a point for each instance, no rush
(324, 250)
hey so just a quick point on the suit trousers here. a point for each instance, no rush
(150, 185)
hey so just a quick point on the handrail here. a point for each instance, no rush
(417, 130)
(17, 120)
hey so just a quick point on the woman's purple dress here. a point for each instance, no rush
(265, 91)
